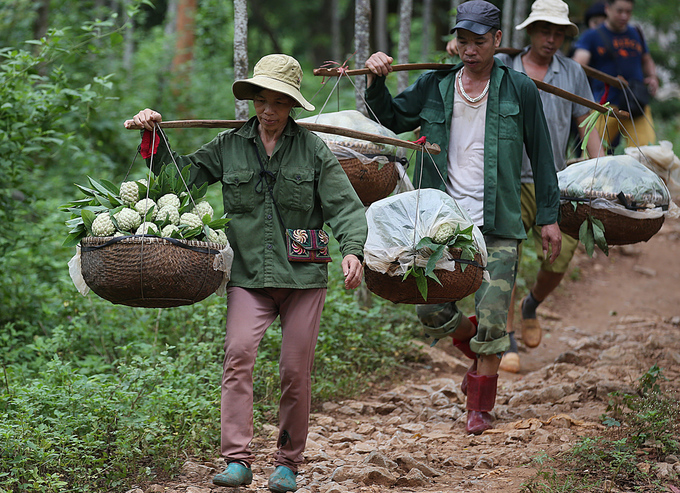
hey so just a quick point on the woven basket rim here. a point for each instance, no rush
(140, 239)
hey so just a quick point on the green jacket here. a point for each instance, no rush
(310, 189)
(514, 118)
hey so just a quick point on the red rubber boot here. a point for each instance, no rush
(481, 398)
(464, 347)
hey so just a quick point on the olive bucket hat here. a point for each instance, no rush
(281, 73)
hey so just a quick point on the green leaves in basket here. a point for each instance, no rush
(591, 233)
(419, 274)
(103, 195)
(462, 239)
(589, 124)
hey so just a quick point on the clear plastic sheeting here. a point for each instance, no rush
(662, 160)
(600, 182)
(351, 148)
(396, 224)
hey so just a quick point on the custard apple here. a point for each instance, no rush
(144, 205)
(444, 234)
(222, 237)
(213, 236)
(128, 219)
(102, 225)
(203, 208)
(167, 231)
(191, 220)
(169, 199)
(168, 212)
(147, 228)
(217, 236)
(129, 193)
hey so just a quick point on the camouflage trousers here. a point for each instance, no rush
(492, 301)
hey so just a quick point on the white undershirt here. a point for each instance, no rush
(465, 181)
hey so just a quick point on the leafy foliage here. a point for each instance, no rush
(643, 428)
(591, 233)
(460, 239)
(104, 197)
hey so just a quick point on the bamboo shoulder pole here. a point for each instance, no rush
(334, 72)
(314, 127)
(590, 71)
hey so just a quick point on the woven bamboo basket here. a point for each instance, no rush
(370, 181)
(150, 272)
(456, 285)
(618, 229)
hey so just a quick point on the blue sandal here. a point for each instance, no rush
(236, 474)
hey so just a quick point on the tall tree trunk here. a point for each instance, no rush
(184, 46)
(454, 8)
(380, 22)
(362, 28)
(427, 27)
(405, 13)
(171, 18)
(241, 51)
(520, 14)
(336, 40)
(506, 24)
(128, 36)
(40, 24)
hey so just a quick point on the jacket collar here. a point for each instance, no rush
(249, 129)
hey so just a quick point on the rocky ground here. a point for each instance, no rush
(602, 331)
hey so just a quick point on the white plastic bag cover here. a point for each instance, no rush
(610, 176)
(76, 273)
(660, 159)
(223, 261)
(347, 147)
(396, 224)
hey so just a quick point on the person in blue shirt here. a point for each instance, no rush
(619, 49)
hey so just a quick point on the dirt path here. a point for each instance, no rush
(602, 332)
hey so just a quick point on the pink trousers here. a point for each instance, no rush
(249, 313)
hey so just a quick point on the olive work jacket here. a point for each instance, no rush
(310, 188)
(514, 118)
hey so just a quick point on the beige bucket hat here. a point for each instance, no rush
(281, 73)
(553, 11)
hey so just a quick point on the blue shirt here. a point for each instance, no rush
(629, 46)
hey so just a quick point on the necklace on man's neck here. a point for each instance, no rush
(465, 95)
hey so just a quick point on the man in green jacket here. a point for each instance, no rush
(482, 114)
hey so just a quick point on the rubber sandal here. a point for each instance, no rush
(236, 474)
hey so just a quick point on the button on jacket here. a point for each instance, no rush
(310, 189)
(514, 119)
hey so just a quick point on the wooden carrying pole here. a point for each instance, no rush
(334, 72)
(314, 127)
(590, 71)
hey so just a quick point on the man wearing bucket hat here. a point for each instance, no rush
(275, 175)
(482, 114)
(548, 25)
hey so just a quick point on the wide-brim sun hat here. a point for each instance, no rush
(477, 16)
(278, 72)
(552, 11)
